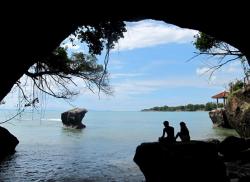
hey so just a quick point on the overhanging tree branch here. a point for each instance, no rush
(212, 47)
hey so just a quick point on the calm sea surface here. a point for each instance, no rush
(103, 151)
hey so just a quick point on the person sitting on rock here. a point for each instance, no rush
(169, 130)
(184, 133)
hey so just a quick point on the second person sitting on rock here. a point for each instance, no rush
(184, 133)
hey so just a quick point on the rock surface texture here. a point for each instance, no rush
(238, 111)
(219, 118)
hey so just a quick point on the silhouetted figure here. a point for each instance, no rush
(169, 130)
(184, 133)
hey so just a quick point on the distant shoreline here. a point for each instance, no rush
(189, 107)
(173, 111)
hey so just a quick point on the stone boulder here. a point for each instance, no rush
(192, 161)
(73, 118)
(238, 111)
(8, 143)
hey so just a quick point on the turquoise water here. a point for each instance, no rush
(103, 151)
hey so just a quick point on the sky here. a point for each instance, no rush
(149, 67)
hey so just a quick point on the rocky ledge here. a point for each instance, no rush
(192, 161)
(236, 114)
(238, 111)
(219, 118)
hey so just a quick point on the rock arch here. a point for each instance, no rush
(35, 30)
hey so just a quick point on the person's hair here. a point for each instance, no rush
(182, 123)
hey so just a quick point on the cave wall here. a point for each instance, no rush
(30, 31)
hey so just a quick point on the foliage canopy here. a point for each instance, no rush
(212, 47)
(54, 75)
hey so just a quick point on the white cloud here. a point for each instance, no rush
(129, 88)
(213, 78)
(135, 88)
(115, 64)
(138, 87)
(203, 71)
(69, 45)
(221, 50)
(125, 75)
(234, 67)
(150, 33)
(227, 70)
(221, 77)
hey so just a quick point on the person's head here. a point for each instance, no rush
(166, 123)
(182, 124)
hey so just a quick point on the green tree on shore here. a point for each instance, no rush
(189, 107)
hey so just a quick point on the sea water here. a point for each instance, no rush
(103, 151)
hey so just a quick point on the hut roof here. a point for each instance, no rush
(221, 95)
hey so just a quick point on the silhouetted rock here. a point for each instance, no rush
(219, 118)
(233, 148)
(191, 161)
(73, 118)
(236, 154)
(8, 143)
(238, 170)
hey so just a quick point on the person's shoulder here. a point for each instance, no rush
(171, 127)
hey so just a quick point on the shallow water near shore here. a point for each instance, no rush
(103, 151)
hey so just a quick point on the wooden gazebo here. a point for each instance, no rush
(222, 95)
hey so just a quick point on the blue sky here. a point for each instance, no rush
(149, 68)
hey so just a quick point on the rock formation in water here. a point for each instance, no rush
(8, 143)
(238, 111)
(219, 118)
(192, 161)
(73, 118)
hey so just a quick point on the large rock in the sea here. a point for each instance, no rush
(8, 143)
(219, 118)
(238, 111)
(73, 118)
(194, 161)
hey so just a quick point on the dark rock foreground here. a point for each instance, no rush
(195, 161)
(192, 161)
(8, 143)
